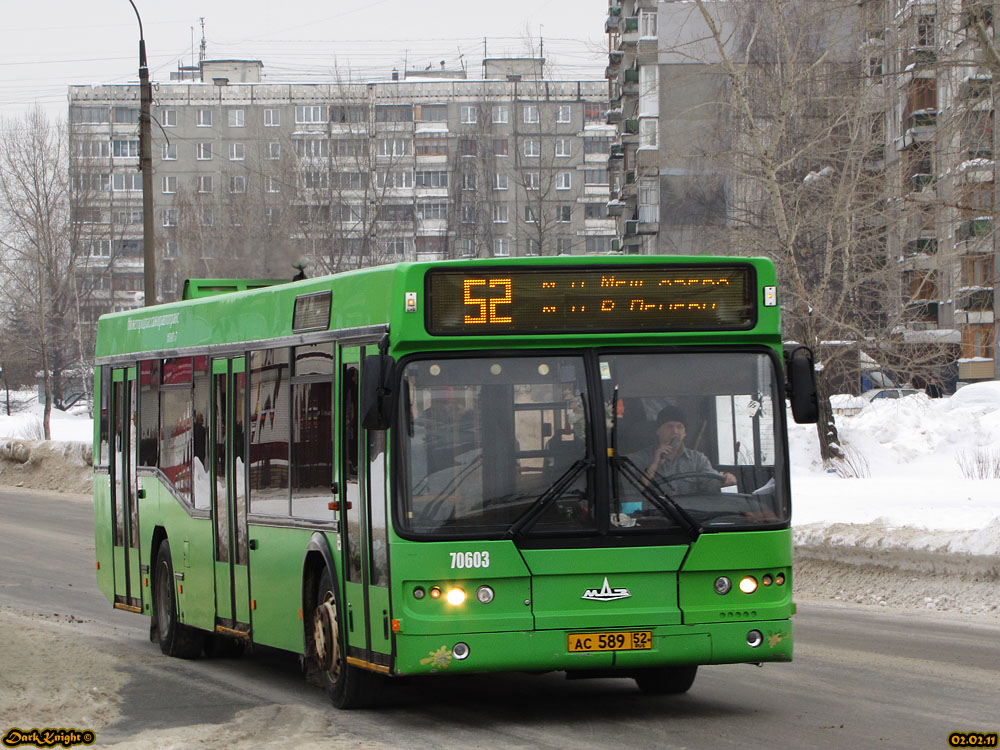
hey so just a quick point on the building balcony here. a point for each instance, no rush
(923, 310)
(981, 226)
(616, 151)
(921, 246)
(921, 181)
(975, 86)
(616, 207)
(975, 299)
(922, 118)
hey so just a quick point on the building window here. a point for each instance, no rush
(647, 24)
(207, 218)
(530, 214)
(468, 181)
(393, 113)
(125, 115)
(203, 118)
(168, 217)
(168, 118)
(468, 114)
(531, 180)
(500, 181)
(123, 181)
(501, 114)
(467, 146)
(393, 146)
(465, 248)
(531, 147)
(401, 179)
(532, 246)
(596, 145)
(564, 147)
(312, 148)
(500, 213)
(564, 180)
(431, 146)
(649, 96)
(564, 245)
(100, 249)
(500, 146)
(237, 117)
(649, 200)
(647, 132)
(595, 177)
(205, 183)
(272, 118)
(237, 151)
(170, 249)
(430, 112)
(468, 213)
(127, 148)
(564, 114)
(272, 216)
(90, 115)
(530, 113)
(595, 113)
(170, 183)
(305, 115)
(237, 183)
(595, 210)
(599, 244)
(432, 179)
(432, 210)
(272, 185)
(501, 247)
(204, 151)
(564, 212)
(169, 152)
(274, 150)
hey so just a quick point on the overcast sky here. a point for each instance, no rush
(46, 45)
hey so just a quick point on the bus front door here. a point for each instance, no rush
(363, 524)
(124, 496)
(232, 590)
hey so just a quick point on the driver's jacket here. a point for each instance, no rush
(688, 461)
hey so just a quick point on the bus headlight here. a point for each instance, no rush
(722, 585)
(748, 584)
(455, 596)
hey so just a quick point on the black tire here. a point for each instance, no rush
(666, 680)
(347, 685)
(176, 639)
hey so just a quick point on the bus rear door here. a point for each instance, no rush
(125, 507)
(232, 591)
(363, 525)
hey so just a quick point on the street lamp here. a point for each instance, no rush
(146, 167)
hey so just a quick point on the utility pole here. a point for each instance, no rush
(146, 167)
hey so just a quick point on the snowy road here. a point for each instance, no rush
(861, 677)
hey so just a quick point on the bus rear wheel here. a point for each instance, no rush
(666, 680)
(176, 639)
(347, 685)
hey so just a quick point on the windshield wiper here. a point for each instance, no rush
(652, 491)
(555, 490)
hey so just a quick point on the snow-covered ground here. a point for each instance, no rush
(902, 486)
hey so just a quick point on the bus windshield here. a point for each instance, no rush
(497, 445)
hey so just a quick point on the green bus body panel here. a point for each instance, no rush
(737, 554)
(276, 585)
(563, 576)
(376, 297)
(428, 564)
(539, 593)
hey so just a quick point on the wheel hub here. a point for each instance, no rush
(325, 636)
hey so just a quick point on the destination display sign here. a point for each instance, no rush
(518, 300)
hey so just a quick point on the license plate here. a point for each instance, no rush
(634, 640)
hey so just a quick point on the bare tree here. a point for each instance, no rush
(38, 249)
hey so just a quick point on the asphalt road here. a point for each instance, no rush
(861, 678)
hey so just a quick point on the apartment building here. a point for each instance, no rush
(922, 99)
(252, 178)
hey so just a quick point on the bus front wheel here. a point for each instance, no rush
(347, 685)
(176, 639)
(666, 680)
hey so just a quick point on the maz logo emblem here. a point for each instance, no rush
(606, 593)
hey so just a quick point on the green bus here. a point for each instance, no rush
(568, 463)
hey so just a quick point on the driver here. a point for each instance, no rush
(669, 457)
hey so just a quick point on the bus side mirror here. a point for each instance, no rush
(801, 385)
(376, 391)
